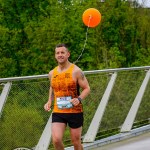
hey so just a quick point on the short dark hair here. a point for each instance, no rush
(62, 45)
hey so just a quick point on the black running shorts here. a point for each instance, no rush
(74, 120)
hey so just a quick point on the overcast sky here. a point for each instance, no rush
(146, 2)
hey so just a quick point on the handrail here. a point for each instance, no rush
(23, 78)
(86, 72)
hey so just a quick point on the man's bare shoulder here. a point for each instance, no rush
(77, 69)
(78, 72)
(50, 74)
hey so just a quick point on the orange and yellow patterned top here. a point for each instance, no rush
(65, 88)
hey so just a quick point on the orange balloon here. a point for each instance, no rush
(91, 17)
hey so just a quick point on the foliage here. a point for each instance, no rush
(17, 126)
(30, 30)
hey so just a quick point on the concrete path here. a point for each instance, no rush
(141, 142)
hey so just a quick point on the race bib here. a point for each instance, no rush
(64, 102)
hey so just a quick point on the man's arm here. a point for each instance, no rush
(47, 106)
(83, 83)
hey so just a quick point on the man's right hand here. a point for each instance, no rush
(47, 106)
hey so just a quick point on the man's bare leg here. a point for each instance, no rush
(57, 135)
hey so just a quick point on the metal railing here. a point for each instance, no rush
(119, 101)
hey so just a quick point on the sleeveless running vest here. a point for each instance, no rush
(65, 88)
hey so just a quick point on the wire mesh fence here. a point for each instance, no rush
(23, 118)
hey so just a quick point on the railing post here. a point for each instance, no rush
(94, 126)
(128, 123)
(45, 138)
(3, 96)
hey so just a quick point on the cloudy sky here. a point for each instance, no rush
(146, 2)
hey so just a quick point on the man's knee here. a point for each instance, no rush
(57, 141)
(76, 140)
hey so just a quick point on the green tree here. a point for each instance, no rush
(31, 29)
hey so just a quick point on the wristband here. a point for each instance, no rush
(80, 99)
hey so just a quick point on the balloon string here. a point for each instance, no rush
(85, 40)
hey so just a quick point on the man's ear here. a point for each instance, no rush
(68, 54)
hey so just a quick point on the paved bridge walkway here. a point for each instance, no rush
(141, 142)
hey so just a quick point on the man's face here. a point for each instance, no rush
(61, 54)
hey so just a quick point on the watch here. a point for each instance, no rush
(80, 99)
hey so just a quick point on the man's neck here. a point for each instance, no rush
(64, 66)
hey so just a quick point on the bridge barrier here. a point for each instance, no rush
(107, 110)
